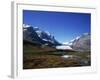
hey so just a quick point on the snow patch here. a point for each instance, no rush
(66, 43)
(67, 56)
(77, 38)
(39, 33)
(45, 39)
(26, 26)
(48, 33)
(36, 28)
(64, 47)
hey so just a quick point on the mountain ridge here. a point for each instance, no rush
(31, 33)
(36, 36)
(81, 43)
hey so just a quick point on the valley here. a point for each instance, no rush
(49, 57)
(42, 50)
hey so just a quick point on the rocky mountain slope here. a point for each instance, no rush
(34, 34)
(81, 43)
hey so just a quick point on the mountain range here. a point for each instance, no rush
(81, 43)
(36, 36)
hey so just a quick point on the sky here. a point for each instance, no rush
(65, 26)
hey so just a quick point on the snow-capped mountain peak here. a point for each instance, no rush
(48, 33)
(81, 43)
(38, 32)
(32, 34)
(77, 38)
(71, 42)
(26, 25)
(36, 28)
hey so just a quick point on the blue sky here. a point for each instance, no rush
(65, 26)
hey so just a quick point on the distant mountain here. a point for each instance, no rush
(34, 34)
(81, 43)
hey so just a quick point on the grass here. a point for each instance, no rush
(48, 57)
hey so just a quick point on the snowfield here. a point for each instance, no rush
(63, 47)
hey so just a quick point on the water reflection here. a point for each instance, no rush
(67, 56)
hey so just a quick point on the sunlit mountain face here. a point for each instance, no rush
(81, 43)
